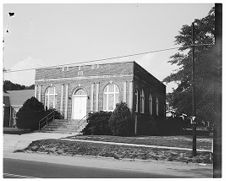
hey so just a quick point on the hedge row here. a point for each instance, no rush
(109, 123)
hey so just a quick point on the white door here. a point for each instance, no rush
(79, 106)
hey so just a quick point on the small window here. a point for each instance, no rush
(157, 106)
(150, 104)
(136, 100)
(142, 101)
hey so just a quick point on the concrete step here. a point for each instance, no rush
(65, 126)
(61, 126)
(59, 131)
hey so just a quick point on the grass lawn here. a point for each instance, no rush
(171, 141)
(71, 148)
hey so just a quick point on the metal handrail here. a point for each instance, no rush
(81, 122)
(45, 120)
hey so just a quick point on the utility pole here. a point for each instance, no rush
(194, 152)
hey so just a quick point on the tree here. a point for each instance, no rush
(97, 124)
(206, 71)
(30, 114)
(120, 120)
(8, 85)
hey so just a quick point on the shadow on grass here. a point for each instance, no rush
(16, 131)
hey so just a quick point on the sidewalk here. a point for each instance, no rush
(176, 169)
(12, 142)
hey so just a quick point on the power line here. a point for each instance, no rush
(109, 58)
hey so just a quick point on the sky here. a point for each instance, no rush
(53, 34)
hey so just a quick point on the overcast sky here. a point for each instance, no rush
(43, 35)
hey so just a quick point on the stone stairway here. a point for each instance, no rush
(65, 126)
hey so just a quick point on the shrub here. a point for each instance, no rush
(29, 114)
(120, 120)
(171, 126)
(57, 114)
(97, 124)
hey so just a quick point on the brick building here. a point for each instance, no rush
(77, 90)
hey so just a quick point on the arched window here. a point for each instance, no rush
(150, 104)
(157, 106)
(136, 100)
(111, 97)
(50, 97)
(142, 101)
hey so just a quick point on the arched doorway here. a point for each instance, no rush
(79, 104)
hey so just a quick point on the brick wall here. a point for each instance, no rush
(150, 85)
(103, 75)
(85, 70)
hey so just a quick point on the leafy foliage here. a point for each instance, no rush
(206, 72)
(97, 124)
(29, 114)
(8, 85)
(172, 126)
(57, 114)
(120, 120)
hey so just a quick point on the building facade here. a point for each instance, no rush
(77, 90)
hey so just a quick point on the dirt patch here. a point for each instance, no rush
(63, 147)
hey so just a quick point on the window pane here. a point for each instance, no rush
(142, 104)
(110, 101)
(51, 99)
(116, 88)
(55, 97)
(111, 88)
(157, 106)
(116, 98)
(106, 89)
(46, 100)
(150, 106)
(105, 102)
(51, 90)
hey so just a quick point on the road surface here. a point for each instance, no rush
(22, 165)
(14, 168)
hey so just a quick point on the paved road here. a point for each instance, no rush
(14, 168)
(58, 166)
